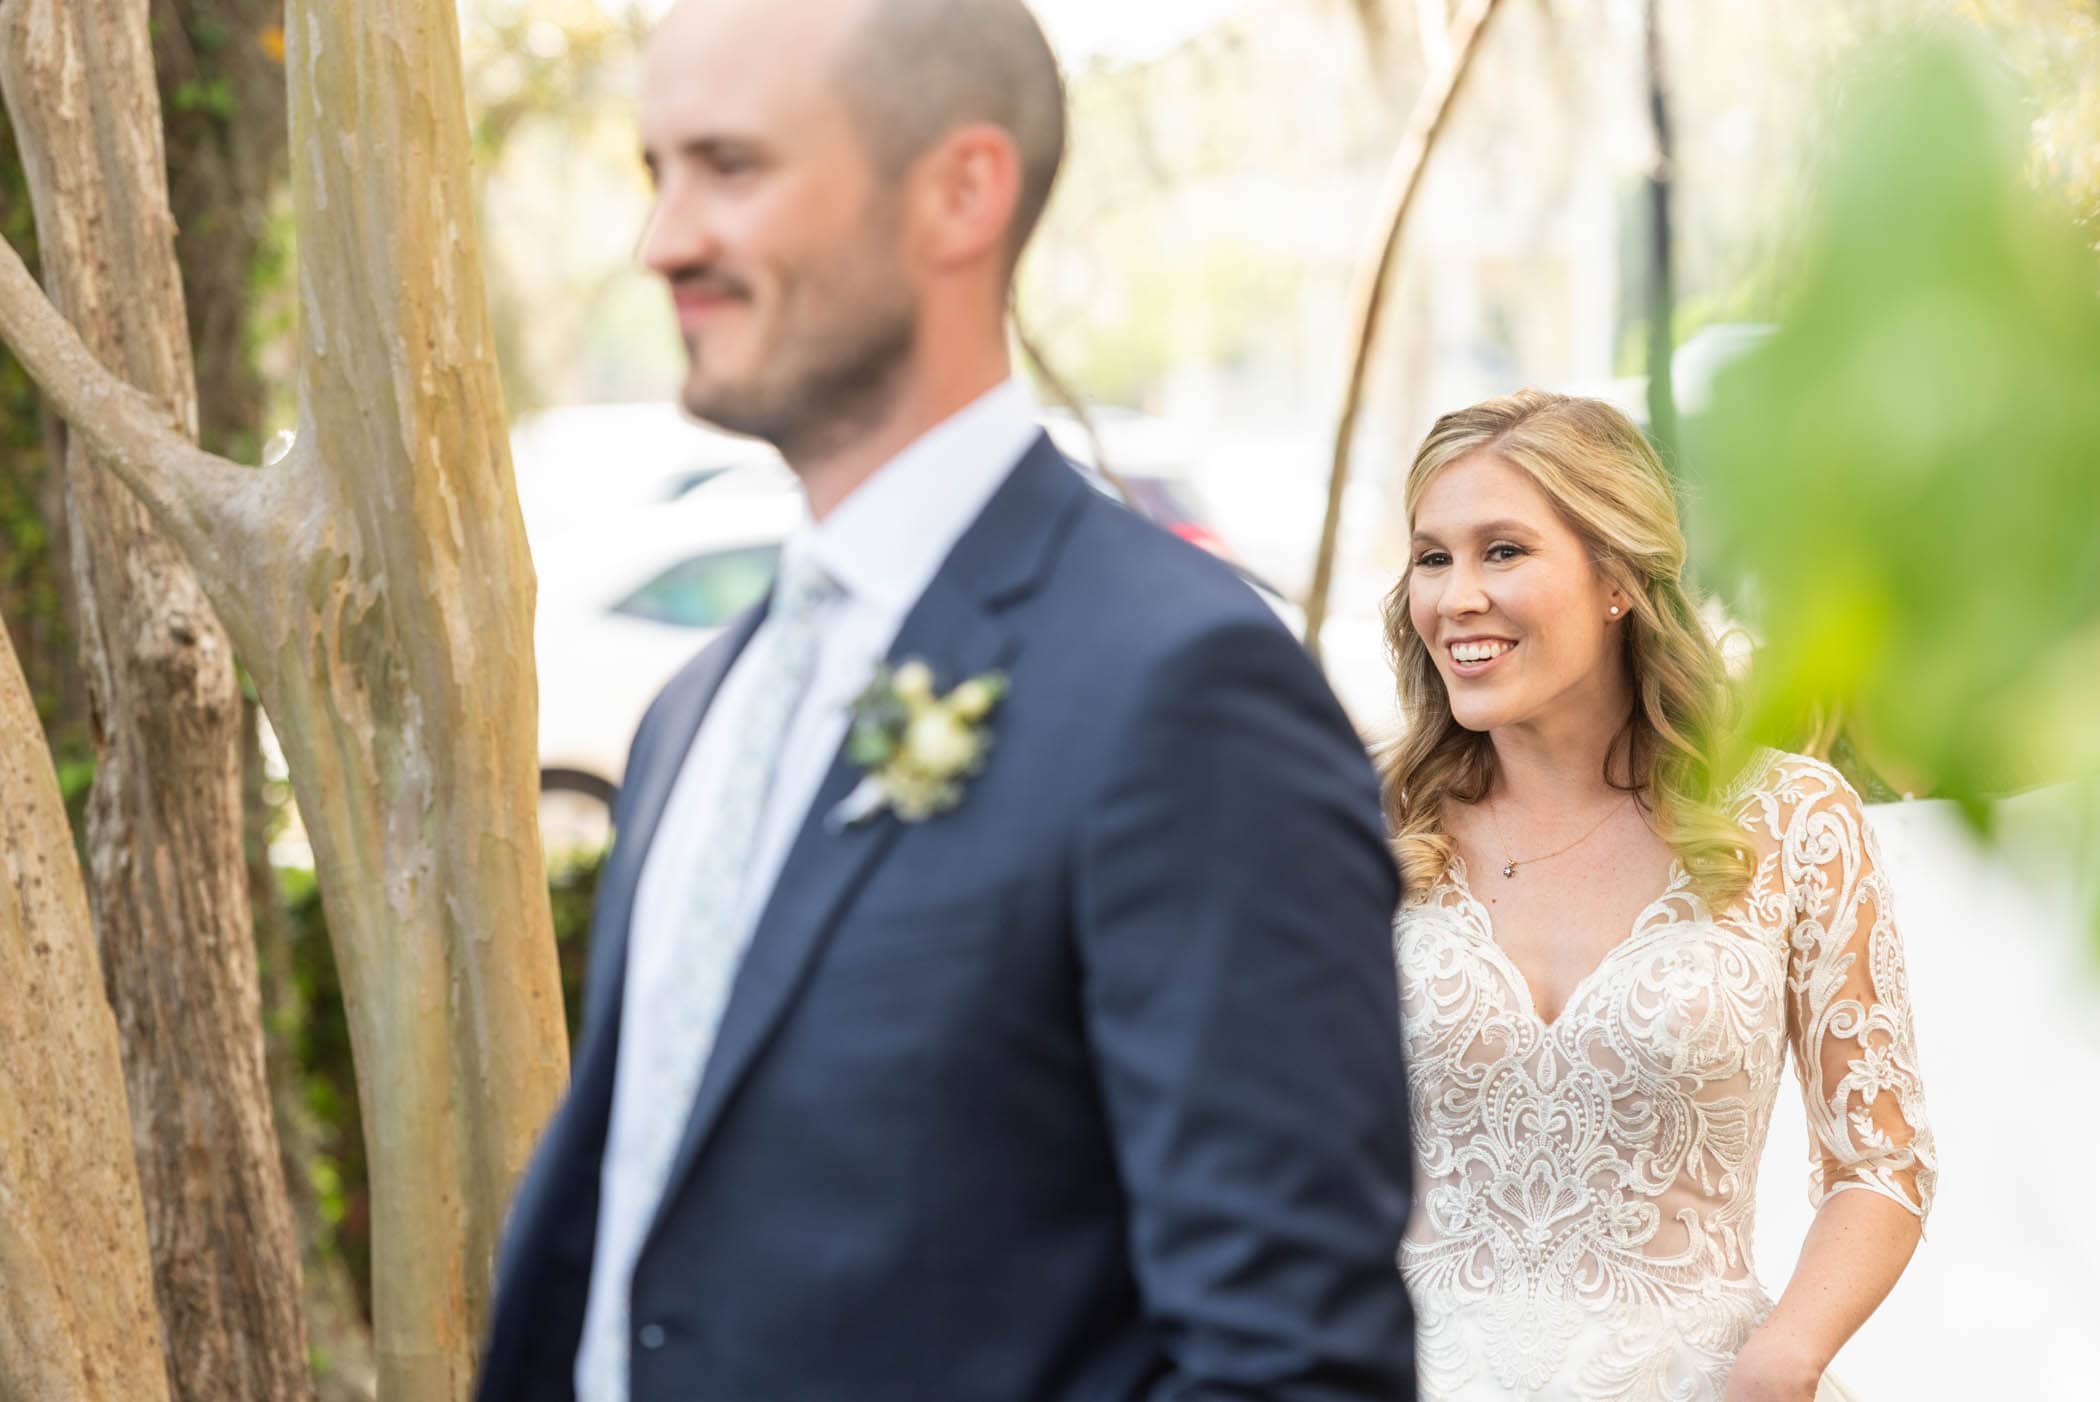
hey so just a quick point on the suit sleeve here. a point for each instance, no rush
(1235, 904)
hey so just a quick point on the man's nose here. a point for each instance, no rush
(677, 235)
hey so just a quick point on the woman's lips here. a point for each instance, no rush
(1477, 666)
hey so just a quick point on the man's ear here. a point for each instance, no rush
(965, 191)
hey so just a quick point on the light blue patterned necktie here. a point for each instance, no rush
(674, 1022)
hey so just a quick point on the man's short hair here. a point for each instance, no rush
(918, 69)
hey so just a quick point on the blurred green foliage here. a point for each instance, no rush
(27, 583)
(550, 90)
(313, 1026)
(32, 605)
(1905, 480)
(213, 98)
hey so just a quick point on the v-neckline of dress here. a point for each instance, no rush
(1674, 884)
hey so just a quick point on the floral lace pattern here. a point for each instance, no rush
(1586, 1187)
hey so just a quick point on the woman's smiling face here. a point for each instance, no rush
(1506, 598)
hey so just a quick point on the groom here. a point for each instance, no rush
(1063, 1069)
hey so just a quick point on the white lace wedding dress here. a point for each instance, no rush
(1585, 1189)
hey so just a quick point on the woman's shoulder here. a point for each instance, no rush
(1778, 792)
(1790, 769)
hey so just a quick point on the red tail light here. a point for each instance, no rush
(1203, 536)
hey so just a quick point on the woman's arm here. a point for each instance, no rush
(1856, 1248)
(1849, 1025)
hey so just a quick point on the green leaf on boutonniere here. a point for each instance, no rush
(879, 718)
(869, 745)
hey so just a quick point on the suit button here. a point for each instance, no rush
(651, 1336)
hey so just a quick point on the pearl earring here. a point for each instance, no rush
(1614, 610)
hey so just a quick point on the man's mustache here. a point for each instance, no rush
(710, 282)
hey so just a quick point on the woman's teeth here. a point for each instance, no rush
(1478, 652)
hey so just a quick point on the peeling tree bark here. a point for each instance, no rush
(335, 1320)
(77, 1320)
(402, 681)
(377, 583)
(167, 878)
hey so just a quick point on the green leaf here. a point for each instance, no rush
(870, 746)
(1907, 474)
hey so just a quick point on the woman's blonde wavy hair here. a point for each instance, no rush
(1598, 470)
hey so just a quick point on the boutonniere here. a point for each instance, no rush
(918, 747)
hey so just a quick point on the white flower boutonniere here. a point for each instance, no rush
(918, 747)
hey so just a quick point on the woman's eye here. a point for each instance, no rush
(1431, 559)
(1502, 554)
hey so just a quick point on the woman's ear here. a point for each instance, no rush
(1618, 601)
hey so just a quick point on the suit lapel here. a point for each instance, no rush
(955, 629)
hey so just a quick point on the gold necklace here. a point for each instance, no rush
(1510, 863)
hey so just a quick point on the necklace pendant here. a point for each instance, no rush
(1509, 869)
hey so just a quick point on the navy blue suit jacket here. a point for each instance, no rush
(1090, 1089)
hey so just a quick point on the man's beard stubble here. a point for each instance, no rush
(836, 375)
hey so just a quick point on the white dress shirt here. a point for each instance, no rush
(882, 545)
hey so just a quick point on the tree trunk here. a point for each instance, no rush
(167, 882)
(77, 1321)
(378, 584)
(406, 698)
(1432, 109)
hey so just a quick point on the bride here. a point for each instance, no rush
(1607, 953)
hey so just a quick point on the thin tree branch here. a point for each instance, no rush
(1404, 181)
(216, 511)
(1662, 293)
(1071, 402)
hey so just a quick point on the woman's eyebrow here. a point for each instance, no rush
(1504, 526)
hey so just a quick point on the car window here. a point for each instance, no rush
(691, 480)
(746, 476)
(707, 590)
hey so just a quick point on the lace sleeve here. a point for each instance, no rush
(1849, 1010)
